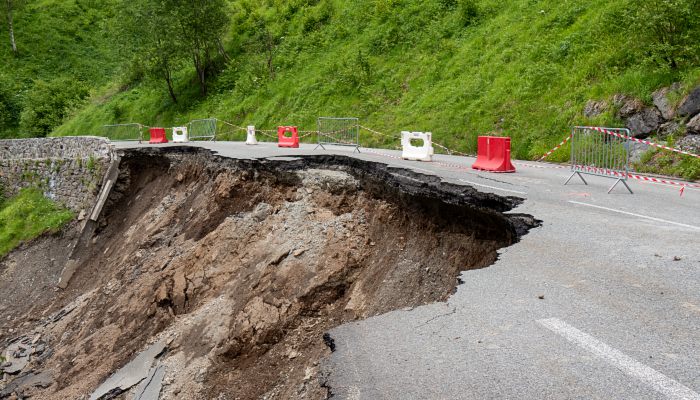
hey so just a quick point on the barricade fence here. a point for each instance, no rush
(338, 132)
(595, 152)
(124, 132)
(202, 129)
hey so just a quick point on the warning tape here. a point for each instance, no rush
(557, 147)
(661, 146)
(643, 178)
(232, 125)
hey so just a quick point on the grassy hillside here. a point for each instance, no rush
(61, 44)
(26, 216)
(458, 68)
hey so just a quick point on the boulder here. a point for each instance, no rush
(669, 128)
(644, 122)
(693, 126)
(690, 143)
(690, 106)
(662, 103)
(594, 108)
(636, 150)
(628, 106)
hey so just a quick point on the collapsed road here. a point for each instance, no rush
(602, 301)
(229, 273)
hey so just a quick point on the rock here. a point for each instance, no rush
(39, 349)
(693, 125)
(81, 216)
(644, 122)
(37, 337)
(298, 252)
(690, 106)
(636, 150)
(690, 143)
(628, 106)
(25, 382)
(594, 108)
(669, 128)
(279, 256)
(662, 103)
(18, 358)
(261, 211)
(149, 388)
(201, 375)
(131, 374)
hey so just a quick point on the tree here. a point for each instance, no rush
(201, 26)
(10, 25)
(47, 104)
(666, 31)
(148, 34)
(266, 42)
(161, 34)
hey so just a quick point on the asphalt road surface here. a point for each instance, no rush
(601, 302)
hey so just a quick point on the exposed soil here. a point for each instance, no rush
(242, 266)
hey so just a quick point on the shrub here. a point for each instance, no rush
(48, 103)
(9, 106)
(665, 31)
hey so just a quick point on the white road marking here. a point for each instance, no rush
(491, 187)
(658, 381)
(635, 215)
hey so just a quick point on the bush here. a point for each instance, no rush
(468, 12)
(665, 31)
(9, 106)
(47, 104)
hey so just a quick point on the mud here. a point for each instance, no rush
(242, 266)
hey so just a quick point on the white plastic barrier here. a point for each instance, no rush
(250, 139)
(411, 152)
(180, 135)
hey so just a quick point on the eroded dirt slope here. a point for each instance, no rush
(240, 267)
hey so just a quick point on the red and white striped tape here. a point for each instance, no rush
(556, 147)
(661, 146)
(644, 178)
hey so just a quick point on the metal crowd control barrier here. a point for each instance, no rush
(598, 153)
(202, 129)
(125, 132)
(339, 132)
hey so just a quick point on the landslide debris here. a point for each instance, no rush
(237, 268)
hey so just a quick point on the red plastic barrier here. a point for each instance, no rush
(287, 141)
(493, 154)
(157, 135)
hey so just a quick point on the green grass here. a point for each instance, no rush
(28, 215)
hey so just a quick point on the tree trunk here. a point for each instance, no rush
(169, 81)
(9, 24)
(201, 73)
(270, 44)
(222, 51)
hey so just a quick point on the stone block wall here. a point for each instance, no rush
(69, 170)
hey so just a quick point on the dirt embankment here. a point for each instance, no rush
(241, 267)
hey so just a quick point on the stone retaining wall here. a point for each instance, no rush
(68, 169)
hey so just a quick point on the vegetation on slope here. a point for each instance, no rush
(26, 216)
(458, 68)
